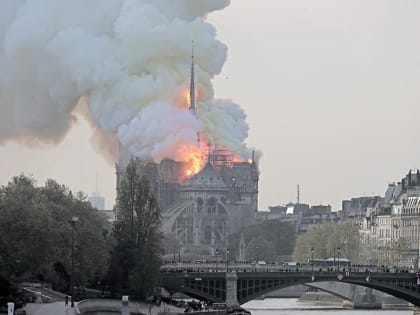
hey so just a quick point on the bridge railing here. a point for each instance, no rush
(249, 267)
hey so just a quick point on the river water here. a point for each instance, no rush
(294, 307)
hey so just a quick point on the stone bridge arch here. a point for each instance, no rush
(251, 285)
(340, 289)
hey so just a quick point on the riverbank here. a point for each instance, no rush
(385, 302)
(295, 307)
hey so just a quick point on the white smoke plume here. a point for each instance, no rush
(130, 59)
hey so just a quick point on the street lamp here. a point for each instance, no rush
(217, 253)
(338, 261)
(257, 255)
(174, 260)
(73, 222)
(312, 254)
(227, 259)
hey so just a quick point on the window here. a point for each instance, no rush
(211, 206)
(199, 204)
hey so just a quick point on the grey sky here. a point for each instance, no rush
(331, 90)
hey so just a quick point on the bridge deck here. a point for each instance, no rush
(209, 283)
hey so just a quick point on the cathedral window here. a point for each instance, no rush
(211, 206)
(199, 204)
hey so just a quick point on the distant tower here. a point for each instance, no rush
(298, 194)
(97, 201)
(192, 89)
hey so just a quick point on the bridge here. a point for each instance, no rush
(237, 284)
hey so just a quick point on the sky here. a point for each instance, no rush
(331, 93)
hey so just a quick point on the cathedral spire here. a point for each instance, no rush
(192, 89)
(192, 84)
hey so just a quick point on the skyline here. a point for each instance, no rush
(336, 84)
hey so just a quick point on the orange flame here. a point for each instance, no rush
(195, 157)
(192, 156)
(186, 97)
(238, 159)
(194, 160)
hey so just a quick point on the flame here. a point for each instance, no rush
(195, 157)
(192, 156)
(188, 173)
(237, 159)
(194, 160)
(186, 96)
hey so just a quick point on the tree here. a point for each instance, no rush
(113, 278)
(390, 253)
(260, 249)
(170, 246)
(20, 218)
(399, 247)
(326, 239)
(280, 234)
(35, 231)
(137, 234)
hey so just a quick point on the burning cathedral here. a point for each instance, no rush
(205, 200)
(124, 66)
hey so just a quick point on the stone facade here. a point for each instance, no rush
(303, 216)
(391, 227)
(203, 210)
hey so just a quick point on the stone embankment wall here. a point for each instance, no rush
(197, 313)
(114, 307)
(361, 297)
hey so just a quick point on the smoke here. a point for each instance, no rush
(129, 59)
(158, 131)
(232, 117)
(103, 142)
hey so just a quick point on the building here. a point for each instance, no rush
(202, 210)
(303, 216)
(359, 208)
(273, 213)
(316, 215)
(391, 228)
(97, 201)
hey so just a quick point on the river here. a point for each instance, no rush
(294, 307)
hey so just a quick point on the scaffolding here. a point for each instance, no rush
(221, 158)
